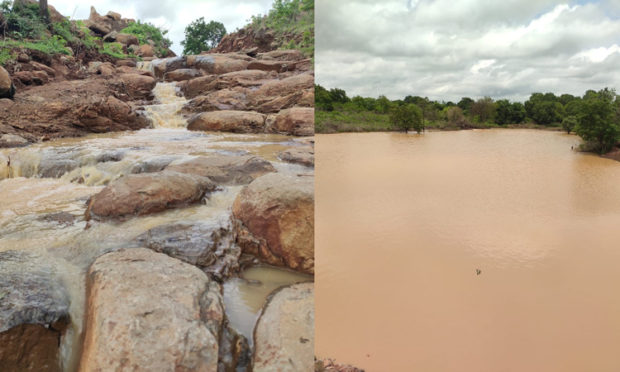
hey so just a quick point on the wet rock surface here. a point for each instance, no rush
(34, 312)
(228, 121)
(208, 245)
(170, 317)
(140, 194)
(225, 170)
(274, 218)
(284, 333)
(299, 155)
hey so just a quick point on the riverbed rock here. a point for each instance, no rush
(140, 194)
(224, 99)
(182, 74)
(138, 86)
(72, 108)
(284, 333)
(209, 83)
(208, 245)
(12, 140)
(164, 65)
(228, 121)
(34, 312)
(297, 121)
(274, 217)
(276, 95)
(150, 312)
(218, 63)
(303, 155)
(155, 164)
(225, 170)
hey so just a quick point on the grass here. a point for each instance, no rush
(49, 45)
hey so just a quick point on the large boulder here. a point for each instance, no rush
(140, 194)
(182, 74)
(223, 99)
(34, 312)
(228, 121)
(7, 90)
(274, 218)
(276, 95)
(208, 245)
(298, 121)
(145, 50)
(210, 83)
(303, 155)
(284, 333)
(217, 64)
(225, 170)
(12, 140)
(138, 86)
(150, 312)
(164, 65)
(127, 39)
(103, 25)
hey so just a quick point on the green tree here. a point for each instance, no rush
(483, 109)
(201, 36)
(406, 117)
(569, 123)
(599, 122)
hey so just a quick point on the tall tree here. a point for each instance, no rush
(406, 117)
(201, 36)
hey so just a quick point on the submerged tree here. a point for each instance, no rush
(201, 36)
(599, 120)
(406, 117)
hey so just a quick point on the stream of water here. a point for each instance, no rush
(44, 189)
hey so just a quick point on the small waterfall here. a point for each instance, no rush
(165, 114)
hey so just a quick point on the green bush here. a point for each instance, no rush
(147, 31)
(22, 21)
(6, 55)
(113, 49)
(48, 45)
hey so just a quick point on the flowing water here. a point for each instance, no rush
(44, 189)
(494, 250)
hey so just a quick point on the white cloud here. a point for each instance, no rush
(446, 50)
(172, 15)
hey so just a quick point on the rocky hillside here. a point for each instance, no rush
(288, 25)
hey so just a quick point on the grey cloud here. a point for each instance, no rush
(429, 47)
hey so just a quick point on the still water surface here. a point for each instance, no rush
(404, 221)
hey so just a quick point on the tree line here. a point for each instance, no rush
(595, 116)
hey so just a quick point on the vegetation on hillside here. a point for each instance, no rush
(23, 28)
(595, 116)
(201, 36)
(292, 22)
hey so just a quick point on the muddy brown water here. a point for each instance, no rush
(43, 196)
(403, 223)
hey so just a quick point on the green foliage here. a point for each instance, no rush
(114, 50)
(22, 21)
(509, 113)
(146, 31)
(6, 55)
(87, 39)
(569, 123)
(599, 120)
(201, 36)
(483, 110)
(545, 108)
(48, 45)
(64, 30)
(406, 117)
(292, 22)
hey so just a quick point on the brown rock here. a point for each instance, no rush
(206, 84)
(284, 333)
(164, 65)
(140, 194)
(182, 74)
(7, 90)
(227, 170)
(39, 66)
(275, 215)
(145, 50)
(265, 65)
(298, 155)
(12, 140)
(217, 64)
(138, 86)
(34, 312)
(282, 55)
(225, 99)
(126, 62)
(297, 121)
(279, 94)
(149, 312)
(127, 39)
(228, 121)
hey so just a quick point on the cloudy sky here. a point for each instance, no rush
(448, 49)
(172, 15)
